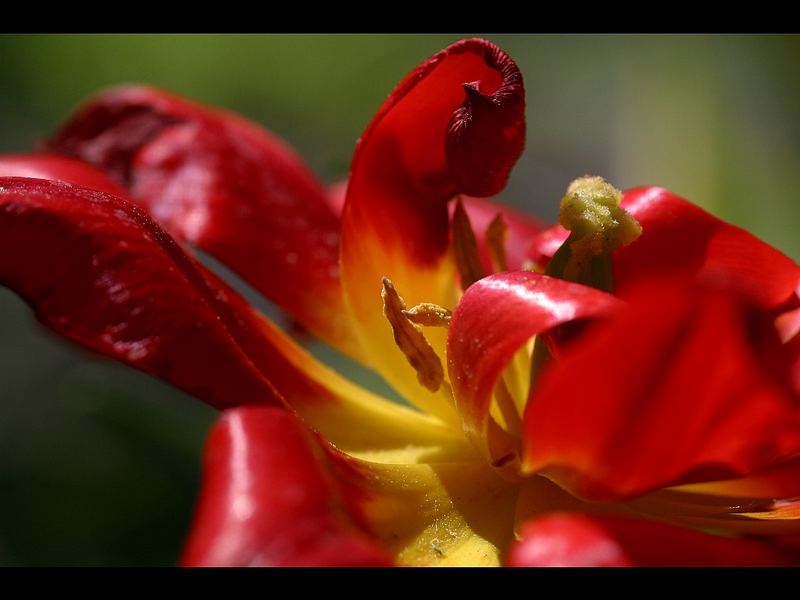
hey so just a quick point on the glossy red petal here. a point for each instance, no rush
(433, 138)
(100, 272)
(225, 184)
(522, 230)
(270, 497)
(685, 385)
(682, 240)
(59, 168)
(494, 318)
(455, 125)
(578, 540)
(681, 237)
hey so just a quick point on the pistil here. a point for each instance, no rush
(598, 225)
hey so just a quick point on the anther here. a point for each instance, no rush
(410, 339)
(496, 236)
(465, 248)
(428, 314)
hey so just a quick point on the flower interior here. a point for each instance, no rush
(619, 389)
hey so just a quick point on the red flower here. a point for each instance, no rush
(668, 408)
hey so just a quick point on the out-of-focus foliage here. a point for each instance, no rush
(98, 464)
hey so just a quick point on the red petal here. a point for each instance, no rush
(680, 237)
(681, 240)
(50, 166)
(223, 183)
(100, 272)
(271, 498)
(685, 385)
(577, 540)
(522, 230)
(494, 318)
(435, 136)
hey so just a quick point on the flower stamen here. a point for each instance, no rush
(428, 314)
(410, 339)
(465, 248)
(496, 236)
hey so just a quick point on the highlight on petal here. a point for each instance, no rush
(565, 539)
(59, 168)
(100, 272)
(226, 185)
(336, 194)
(270, 497)
(681, 240)
(454, 125)
(687, 384)
(494, 319)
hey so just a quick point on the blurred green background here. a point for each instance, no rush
(99, 464)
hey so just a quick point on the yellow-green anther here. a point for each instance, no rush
(591, 211)
(598, 225)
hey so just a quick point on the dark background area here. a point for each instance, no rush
(99, 464)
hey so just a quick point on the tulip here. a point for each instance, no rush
(621, 389)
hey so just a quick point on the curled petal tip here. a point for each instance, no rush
(486, 135)
(475, 98)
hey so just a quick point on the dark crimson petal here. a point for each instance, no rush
(496, 317)
(682, 240)
(685, 385)
(455, 124)
(579, 540)
(100, 272)
(225, 184)
(270, 497)
(53, 166)
(522, 230)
